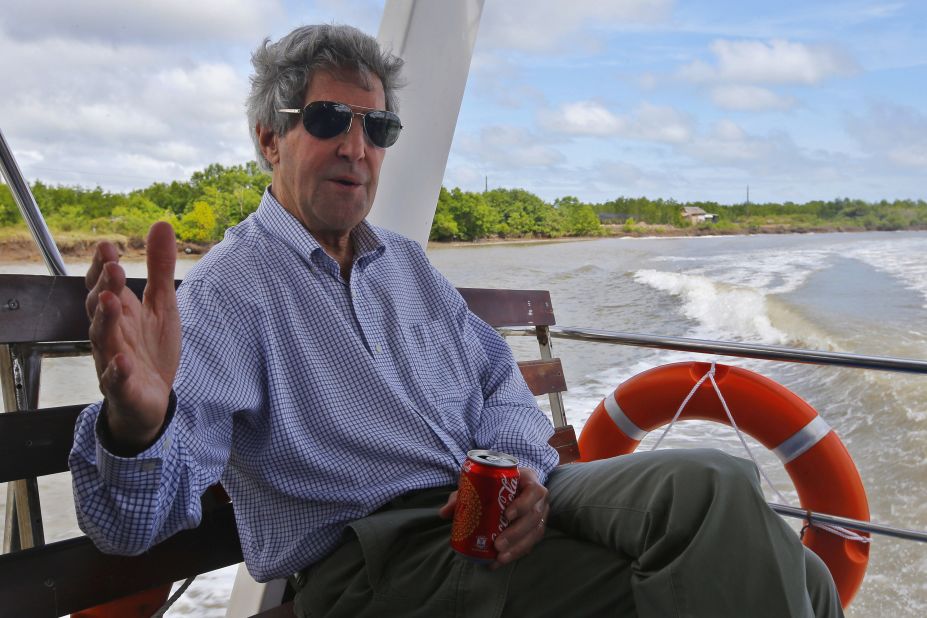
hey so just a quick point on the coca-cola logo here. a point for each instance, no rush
(507, 489)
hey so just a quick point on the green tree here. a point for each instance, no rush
(198, 224)
(175, 197)
(522, 213)
(135, 216)
(474, 218)
(443, 226)
(579, 219)
(9, 211)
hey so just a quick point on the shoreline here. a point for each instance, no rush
(18, 246)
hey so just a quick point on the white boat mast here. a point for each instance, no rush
(436, 40)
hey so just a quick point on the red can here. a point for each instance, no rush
(488, 481)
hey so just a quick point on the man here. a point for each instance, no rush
(334, 381)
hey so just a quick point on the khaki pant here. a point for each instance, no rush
(670, 533)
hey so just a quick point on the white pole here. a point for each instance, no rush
(436, 40)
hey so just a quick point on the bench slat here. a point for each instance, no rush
(45, 308)
(67, 576)
(36, 443)
(543, 376)
(510, 307)
(564, 440)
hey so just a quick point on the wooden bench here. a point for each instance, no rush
(44, 316)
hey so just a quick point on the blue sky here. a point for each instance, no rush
(686, 100)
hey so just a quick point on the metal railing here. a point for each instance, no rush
(729, 348)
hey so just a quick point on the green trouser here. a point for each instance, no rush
(670, 533)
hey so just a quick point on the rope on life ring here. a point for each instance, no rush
(816, 460)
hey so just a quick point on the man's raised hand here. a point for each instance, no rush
(136, 345)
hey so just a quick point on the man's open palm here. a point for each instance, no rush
(136, 345)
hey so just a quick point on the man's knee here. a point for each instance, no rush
(709, 470)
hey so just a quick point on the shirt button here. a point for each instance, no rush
(377, 348)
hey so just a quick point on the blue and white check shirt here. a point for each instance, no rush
(314, 400)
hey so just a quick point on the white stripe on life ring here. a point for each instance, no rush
(802, 440)
(621, 419)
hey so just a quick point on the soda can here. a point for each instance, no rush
(488, 482)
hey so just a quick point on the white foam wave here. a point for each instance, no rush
(721, 310)
(902, 259)
(770, 271)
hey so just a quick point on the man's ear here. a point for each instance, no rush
(267, 138)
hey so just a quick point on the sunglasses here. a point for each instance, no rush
(326, 119)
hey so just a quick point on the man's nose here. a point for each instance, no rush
(353, 144)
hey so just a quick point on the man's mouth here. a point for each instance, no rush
(346, 182)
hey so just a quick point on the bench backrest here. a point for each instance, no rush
(43, 315)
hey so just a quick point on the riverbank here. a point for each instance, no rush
(17, 245)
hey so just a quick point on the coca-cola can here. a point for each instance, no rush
(488, 482)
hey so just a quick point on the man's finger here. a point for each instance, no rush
(161, 257)
(104, 252)
(105, 332)
(447, 511)
(114, 377)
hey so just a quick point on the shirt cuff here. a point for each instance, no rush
(126, 468)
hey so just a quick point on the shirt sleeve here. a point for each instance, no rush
(127, 504)
(511, 421)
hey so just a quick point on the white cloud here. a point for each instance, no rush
(646, 122)
(549, 25)
(582, 118)
(164, 21)
(749, 98)
(774, 62)
(362, 14)
(660, 124)
(881, 10)
(509, 147)
(500, 81)
(729, 131)
(727, 144)
(896, 133)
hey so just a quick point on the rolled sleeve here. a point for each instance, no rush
(511, 421)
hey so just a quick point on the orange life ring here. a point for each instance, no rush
(816, 460)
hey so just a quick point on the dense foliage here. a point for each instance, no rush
(219, 197)
(200, 209)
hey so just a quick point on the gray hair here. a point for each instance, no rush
(282, 70)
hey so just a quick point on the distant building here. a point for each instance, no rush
(612, 218)
(694, 214)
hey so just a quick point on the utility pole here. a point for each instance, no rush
(486, 186)
(748, 194)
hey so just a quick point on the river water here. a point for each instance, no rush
(864, 293)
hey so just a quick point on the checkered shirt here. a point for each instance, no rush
(313, 399)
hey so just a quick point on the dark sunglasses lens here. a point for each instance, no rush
(324, 119)
(382, 128)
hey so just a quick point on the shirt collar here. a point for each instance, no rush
(281, 224)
